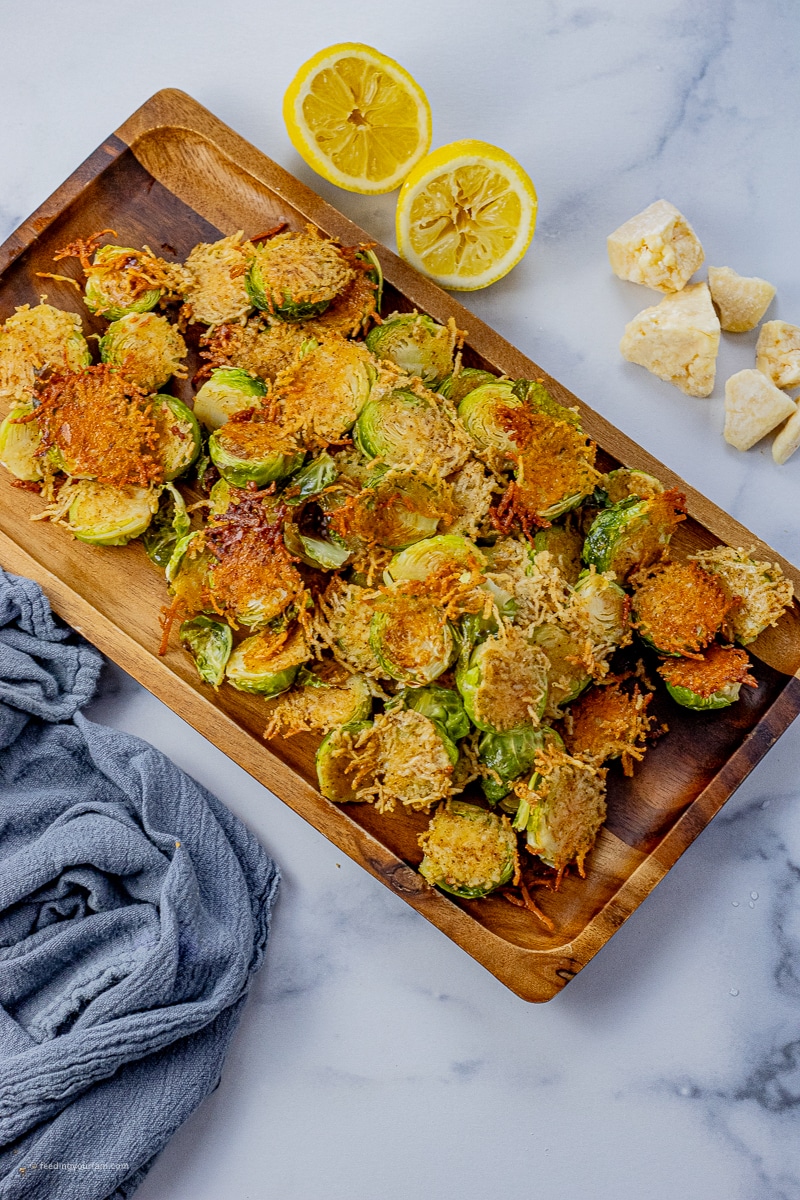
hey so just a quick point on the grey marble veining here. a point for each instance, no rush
(376, 1058)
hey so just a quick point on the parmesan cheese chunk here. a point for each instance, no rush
(778, 353)
(787, 439)
(753, 407)
(741, 301)
(677, 340)
(658, 248)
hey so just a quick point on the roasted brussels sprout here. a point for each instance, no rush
(679, 608)
(228, 391)
(758, 592)
(322, 699)
(713, 680)
(170, 525)
(410, 429)
(19, 442)
(210, 643)
(251, 577)
(425, 558)
(537, 397)
(415, 343)
(567, 676)
(322, 394)
(441, 705)
(563, 809)
(334, 762)
(38, 339)
(315, 551)
(564, 543)
(259, 347)
(456, 387)
(318, 474)
(555, 467)
(213, 284)
(609, 722)
(468, 851)
(396, 509)
(633, 534)
(345, 616)
(411, 637)
(121, 280)
(507, 756)
(605, 608)
(627, 481)
(267, 663)
(296, 275)
(256, 451)
(485, 414)
(110, 516)
(503, 683)
(144, 348)
(179, 439)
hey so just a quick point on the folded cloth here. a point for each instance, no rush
(134, 909)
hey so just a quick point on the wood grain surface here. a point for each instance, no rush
(174, 175)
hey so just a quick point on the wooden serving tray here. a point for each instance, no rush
(172, 176)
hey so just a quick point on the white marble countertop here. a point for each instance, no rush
(375, 1057)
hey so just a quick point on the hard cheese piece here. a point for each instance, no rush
(741, 300)
(787, 439)
(658, 248)
(753, 407)
(778, 353)
(677, 340)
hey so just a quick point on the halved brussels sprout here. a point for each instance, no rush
(424, 558)
(332, 760)
(456, 387)
(210, 643)
(536, 395)
(179, 439)
(565, 543)
(255, 451)
(416, 343)
(627, 481)
(468, 851)
(212, 282)
(711, 681)
(405, 429)
(679, 608)
(555, 468)
(170, 524)
(323, 393)
(110, 516)
(484, 414)
(318, 474)
(37, 339)
(566, 807)
(759, 592)
(567, 676)
(145, 348)
(322, 699)
(411, 638)
(267, 664)
(227, 391)
(347, 609)
(606, 608)
(508, 756)
(314, 551)
(441, 705)
(19, 442)
(296, 275)
(117, 283)
(633, 534)
(396, 509)
(503, 683)
(609, 722)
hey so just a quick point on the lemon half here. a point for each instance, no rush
(466, 215)
(357, 118)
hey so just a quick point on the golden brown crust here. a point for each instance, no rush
(719, 667)
(608, 722)
(679, 607)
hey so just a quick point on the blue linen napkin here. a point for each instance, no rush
(134, 909)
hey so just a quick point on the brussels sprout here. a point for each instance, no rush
(375, 276)
(456, 387)
(503, 683)
(609, 722)
(758, 591)
(565, 543)
(555, 468)
(483, 412)
(116, 283)
(170, 524)
(567, 676)
(404, 429)
(176, 559)
(255, 451)
(508, 755)
(564, 809)
(605, 605)
(416, 343)
(35, 340)
(468, 851)
(627, 481)
(296, 275)
(411, 638)
(210, 643)
(394, 510)
(712, 680)
(226, 392)
(266, 664)
(318, 474)
(433, 554)
(320, 700)
(110, 516)
(632, 534)
(536, 395)
(326, 389)
(333, 759)
(179, 439)
(679, 608)
(314, 551)
(145, 348)
(441, 705)
(19, 442)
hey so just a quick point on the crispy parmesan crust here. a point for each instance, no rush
(257, 347)
(302, 268)
(718, 668)
(320, 395)
(568, 805)
(607, 723)
(679, 607)
(212, 283)
(400, 759)
(759, 593)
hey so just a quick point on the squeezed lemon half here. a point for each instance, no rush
(357, 118)
(466, 215)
